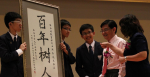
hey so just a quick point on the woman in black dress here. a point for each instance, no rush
(136, 50)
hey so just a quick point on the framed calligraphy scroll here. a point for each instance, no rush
(41, 32)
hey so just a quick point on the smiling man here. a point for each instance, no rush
(11, 47)
(89, 55)
(113, 68)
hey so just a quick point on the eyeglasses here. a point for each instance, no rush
(20, 22)
(67, 29)
(106, 29)
(87, 33)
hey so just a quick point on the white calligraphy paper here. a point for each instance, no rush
(42, 43)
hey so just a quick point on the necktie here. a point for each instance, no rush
(91, 52)
(105, 64)
(15, 42)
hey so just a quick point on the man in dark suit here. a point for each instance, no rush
(68, 56)
(11, 48)
(89, 59)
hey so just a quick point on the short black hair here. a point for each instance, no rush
(64, 22)
(110, 23)
(11, 16)
(86, 26)
(129, 25)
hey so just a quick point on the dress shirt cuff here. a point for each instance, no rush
(120, 76)
(86, 76)
(19, 51)
(101, 75)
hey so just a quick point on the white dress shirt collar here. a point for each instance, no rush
(12, 36)
(114, 38)
(92, 44)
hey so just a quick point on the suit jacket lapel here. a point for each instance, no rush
(10, 41)
(18, 42)
(95, 50)
(86, 52)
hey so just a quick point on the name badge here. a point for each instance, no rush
(99, 57)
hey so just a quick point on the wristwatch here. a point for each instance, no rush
(125, 58)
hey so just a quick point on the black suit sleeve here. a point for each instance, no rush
(5, 53)
(79, 63)
(70, 56)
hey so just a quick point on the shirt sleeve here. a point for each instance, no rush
(19, 51)
(101, 75)
(122, 71)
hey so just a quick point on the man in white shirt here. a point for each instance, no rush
(114, 67)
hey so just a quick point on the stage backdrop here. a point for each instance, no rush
(41, 32)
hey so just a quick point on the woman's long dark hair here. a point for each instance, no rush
(129, 25)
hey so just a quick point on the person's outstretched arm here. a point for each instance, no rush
(117, 50)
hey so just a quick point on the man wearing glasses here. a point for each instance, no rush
(68, 56)
(113, 67)
(11, 47)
